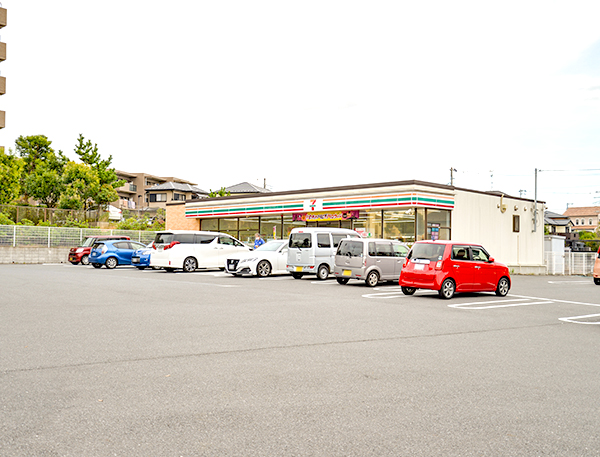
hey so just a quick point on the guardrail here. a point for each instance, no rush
(28, 236)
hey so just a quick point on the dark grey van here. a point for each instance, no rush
(369, 259)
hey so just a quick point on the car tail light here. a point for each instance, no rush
(438, 265)
(153, 245)
(364, 262)
(171, 244)
(104, 249)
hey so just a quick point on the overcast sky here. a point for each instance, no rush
(317, 93)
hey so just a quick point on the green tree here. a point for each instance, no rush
(218, 193)
(42, 169)
(81, 186)
(11, 168)
(108, 181)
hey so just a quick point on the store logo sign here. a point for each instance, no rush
(314, 204)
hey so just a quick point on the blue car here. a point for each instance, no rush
(113, 252)
(141, 257)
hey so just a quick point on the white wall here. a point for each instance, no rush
(477, 218)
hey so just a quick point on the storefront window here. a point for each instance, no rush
(438, 224)
(271, 227)
(289, 224)
(399, 225)
(368, 224)
(229, 226)
(209, 225)
(421, 231)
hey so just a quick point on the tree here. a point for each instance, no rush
(81, 185)
(105, 192)
(42, 169)
(218, 193)
(11, 168)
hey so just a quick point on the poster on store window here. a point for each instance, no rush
(434, 232)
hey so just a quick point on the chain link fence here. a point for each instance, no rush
(58, 217)
(26, 236)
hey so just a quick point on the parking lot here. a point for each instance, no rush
(126, 362)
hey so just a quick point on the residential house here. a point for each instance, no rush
(245, 188)
(132, 195)
(557, 224)
(584, 218)
(158, 196)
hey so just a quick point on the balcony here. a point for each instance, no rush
(2, 51)
(2, 119)
(2, 17)
(2, 85)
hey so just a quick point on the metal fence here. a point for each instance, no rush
(58, 217)
(570, 263)
(27, 236)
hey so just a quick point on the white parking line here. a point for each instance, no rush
(573, 321)
(569, 282)
(327, 283)
(523, 301)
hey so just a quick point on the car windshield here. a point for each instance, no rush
(351, 248)
(89, 242)
(427, 251)
(163, 238)
(270, 246)
(300, 240)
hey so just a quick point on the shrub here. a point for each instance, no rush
(26, 222)
(5, 220)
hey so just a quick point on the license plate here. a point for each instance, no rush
(135, 260)
(419, 266)
(299, 268)
(347, 273)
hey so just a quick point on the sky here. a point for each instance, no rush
(317, 93)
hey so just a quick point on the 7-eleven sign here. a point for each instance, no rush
(314, 204)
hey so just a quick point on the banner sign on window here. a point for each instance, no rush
(328, 216)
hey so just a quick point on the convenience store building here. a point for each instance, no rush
(404, 210)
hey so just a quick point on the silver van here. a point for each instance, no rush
(370, 259)
(312, 249)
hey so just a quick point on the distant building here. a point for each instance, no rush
(246, 188)
(557, 224)
(158, 196)
(132, 195)
(584, 217)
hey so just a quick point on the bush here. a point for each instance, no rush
(26, 222)
(5, 220)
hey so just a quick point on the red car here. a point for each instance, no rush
(81, 254)
(449, 267)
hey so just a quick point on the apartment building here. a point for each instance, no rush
(584, 217)
(132, 195)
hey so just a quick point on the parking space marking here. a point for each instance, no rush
(328, 283)
(574, 321)
(569, 282)
(524, 302)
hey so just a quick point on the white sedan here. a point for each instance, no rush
(267, 259)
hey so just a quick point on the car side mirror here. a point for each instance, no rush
(491, 260)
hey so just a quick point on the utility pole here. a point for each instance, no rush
(452, 170)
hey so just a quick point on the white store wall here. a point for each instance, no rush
(477, 218)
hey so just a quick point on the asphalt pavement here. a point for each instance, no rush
(148, 363)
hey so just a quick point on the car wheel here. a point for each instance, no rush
(372, 279)
(111, 263)
(85, 260)
(447, 290)
(97, 265)
(297, 275)
(342, 280)
(190, 264)
(141, 268)
(597, 281)
(503, 287)
(263, 268)
(323, 272)
(408, 290)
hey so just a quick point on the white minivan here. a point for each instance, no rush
(312, 250)
(189, 250)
